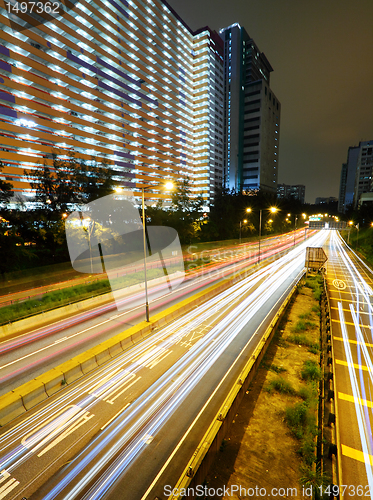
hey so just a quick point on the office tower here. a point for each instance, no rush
(356, 175)
(364, 171)
(252, 125)
(291, 192)
(124, 83)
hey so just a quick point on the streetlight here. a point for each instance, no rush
(168, 186)
(245, 222)
(295, 227)
(273, 210)
(350, 223)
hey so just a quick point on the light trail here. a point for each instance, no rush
(150, 411)
(365, 430)
(361, 380)
(204, 276)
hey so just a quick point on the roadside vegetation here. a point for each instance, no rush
(361, 242)
(301, 415)
(59, 298)
(285, 395)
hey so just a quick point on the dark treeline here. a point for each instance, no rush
(36, 236)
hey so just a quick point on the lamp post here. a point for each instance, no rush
(245, 222)
(273, 210)
(295, 228)
(349, 230)
(168, 186)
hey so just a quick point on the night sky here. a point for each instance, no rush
(322, 55)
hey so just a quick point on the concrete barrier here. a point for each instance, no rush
(32, 393)
(52, 380)
(11, 406)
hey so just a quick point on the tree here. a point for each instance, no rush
(70, 181)
(186, 211)
(6, 192)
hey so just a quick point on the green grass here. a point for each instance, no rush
(277, 369)
(316, 284)
(309, 393)
(65, 296)
(311, 370)
(302, 339)
(280, 385)
(302, 326)
(307, 315)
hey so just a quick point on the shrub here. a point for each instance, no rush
(281, 385)
(296, 417)
(304, 340)
(305, 316)
(309, 393)
(277, 369)
(302, 326)
(311, 370)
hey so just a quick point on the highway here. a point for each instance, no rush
(31, 354)
(127, 429)
(350, 285)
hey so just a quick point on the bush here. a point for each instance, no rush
(302, 326)
(309, 393)
(281, 385)
(311, 370)
(303, 340)
(296, 417)
(277, 369)
(305, 316)
(316, 283)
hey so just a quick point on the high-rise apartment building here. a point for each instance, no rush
(291, 192)
(364, 171)
(129, 84)
(356, 175)
(252, 111)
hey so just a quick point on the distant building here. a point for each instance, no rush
(327, 201)
(352, 183)
(364, 171)
(252, 115)
(366, 199)
(295, 192)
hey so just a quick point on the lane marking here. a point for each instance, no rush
(358, 455)
(353, 365)
(353, 341)
(9, 485)
(115, 416)
(339, 284)
(352, 324)
(352, 399)
(348, 310)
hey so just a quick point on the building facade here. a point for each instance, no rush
(252, 115)
(364, 171)
(127, 84)
(294, 192)
(356, 175)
